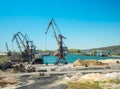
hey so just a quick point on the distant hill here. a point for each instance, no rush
(109, 48)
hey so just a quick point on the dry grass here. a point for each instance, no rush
(94, 85)
(3, 59)
(83, 86)
(116, 81)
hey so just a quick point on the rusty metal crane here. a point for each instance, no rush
(18, 43)
(7, 47)
(19, 37)
(31, 44)
(8, 51)
(27, 49)
(59, 39)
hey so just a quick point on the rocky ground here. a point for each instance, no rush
(105, 81)
(62, 76)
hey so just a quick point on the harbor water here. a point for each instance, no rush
(73, 57)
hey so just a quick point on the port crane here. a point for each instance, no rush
(18, 43)
(19, 37)
(31, 44)
(59, 39)
(27, 49)
(8, 51)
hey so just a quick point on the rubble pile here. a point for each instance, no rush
(92, 77)
(106, 81)
(73, 77)
(113, 75)
(86, 78)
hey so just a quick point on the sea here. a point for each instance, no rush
(73, 57)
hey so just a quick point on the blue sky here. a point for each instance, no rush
(85, 23)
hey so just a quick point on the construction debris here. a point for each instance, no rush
(22, 68)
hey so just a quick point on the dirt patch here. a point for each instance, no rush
(5, 82)
(89, 63)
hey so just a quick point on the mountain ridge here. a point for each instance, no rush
(114, 48)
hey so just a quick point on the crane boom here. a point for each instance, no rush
(21, 39)
(18, 44)
(7, 47)
(27, 37)
(51, 24)
(17, 36)
(14, 37)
